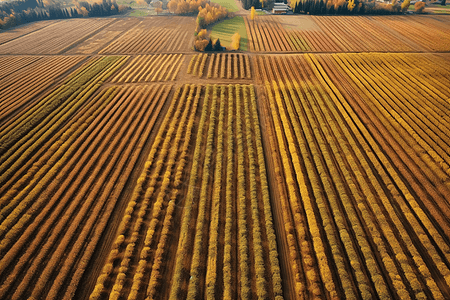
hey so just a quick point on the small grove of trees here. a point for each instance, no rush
(419, 7)
(247, 4)
(342, 7)
(207, 15)
(25, 11)
(185, 7)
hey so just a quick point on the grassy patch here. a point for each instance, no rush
(127, 3)
(228, 4)
(225, 30)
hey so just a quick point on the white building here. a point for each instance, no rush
(280, 8)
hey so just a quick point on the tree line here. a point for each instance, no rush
(247, 4)
(343, 7)
(24, 11)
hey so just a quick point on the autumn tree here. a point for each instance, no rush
(235, 39)
(419, 7)
(405, 5)
(158, 7)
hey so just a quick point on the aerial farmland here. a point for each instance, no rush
(312, 161)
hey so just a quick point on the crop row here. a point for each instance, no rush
(430, 33)
(55, 38)
(22, 135)
(60, 207)
(11, 64)
(338, 199)
(312, 40)
(356, 34)
(31, 129)
(267, 34)
(230, 66)
(27, 77)
(421, 139)
(8, 35)
(152, 200)
(336, 34)
(211, 258)
(418, 117)
(162, 67)
(232, 119)
(98, 41)
(153, 36)
(425, 200)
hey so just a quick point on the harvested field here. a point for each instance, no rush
(23, 30)
(98, 41)
(55, 38)
(155, 34)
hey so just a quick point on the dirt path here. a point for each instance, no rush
(241, 12)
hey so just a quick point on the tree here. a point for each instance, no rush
(235, 39)
(419, 7)
(172, 6)
(351, 5)
(158, 7)
(405, 5)
(83, 11)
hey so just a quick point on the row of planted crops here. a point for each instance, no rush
(69, 156)
(214, 209)
(66, 160)
(348, 34)
(362, 172)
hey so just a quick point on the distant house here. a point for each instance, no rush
(280, 8)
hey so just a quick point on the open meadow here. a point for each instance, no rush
(314, 163)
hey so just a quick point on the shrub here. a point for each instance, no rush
(419, 7)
